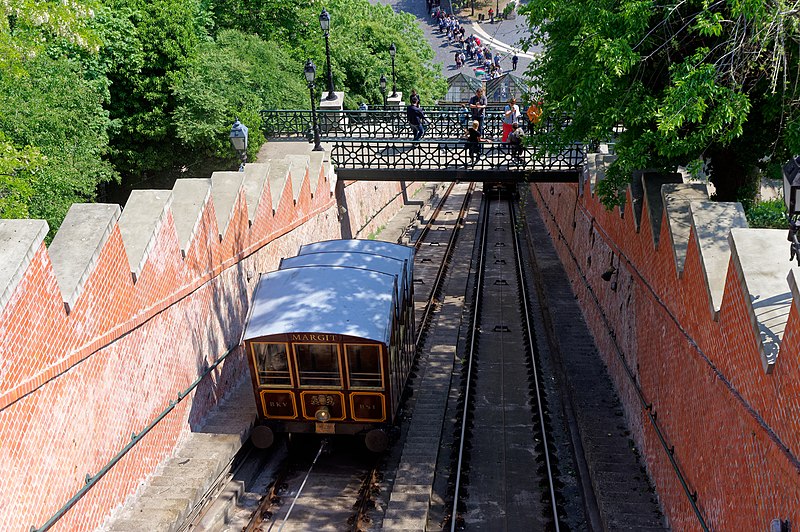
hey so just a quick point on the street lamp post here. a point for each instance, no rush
(383, 90)
(238, 139)
(393, 52)
(310, 72)
(325, 24)
(791, 195)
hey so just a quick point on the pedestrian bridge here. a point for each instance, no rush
(377, 146)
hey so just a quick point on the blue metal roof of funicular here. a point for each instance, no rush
(376, 247)
(324, 300)
(368, 261)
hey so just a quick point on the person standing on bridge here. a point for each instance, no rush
(416, 118)
(510, 116)
(477, 104)
(474, 140)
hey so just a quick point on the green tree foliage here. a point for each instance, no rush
(360, 43)
(52, 121)
(233, 76)
(163, 34)
(91, 89)
(690, 81)
(360, 36)
(58, 137)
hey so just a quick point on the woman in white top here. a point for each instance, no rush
(510, 116)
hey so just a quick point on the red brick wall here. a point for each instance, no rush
(734, 428)
(74, 387)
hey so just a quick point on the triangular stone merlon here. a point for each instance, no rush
(19, 242)
(316, 167)
(255, 179)
(763, 281)
(636, 198)
(712, 222)
(651, 184)
(190, 197)
(225, 189)
(78, 244)
(299, 174)
(139, 224)
(676, 198)
(279, 179)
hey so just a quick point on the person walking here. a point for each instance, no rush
(416, 119)
(491, 16)
(514, 61)
(477, 105)
(510, 116)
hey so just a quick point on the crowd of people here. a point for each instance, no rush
(473, 119)
(470, 48)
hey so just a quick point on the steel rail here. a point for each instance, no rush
(471, 350)
(362, 504)
(523, 288)
(427, 227)
(440, 274)
(300, 489)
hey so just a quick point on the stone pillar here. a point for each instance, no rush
(329, 121)
(395, 101)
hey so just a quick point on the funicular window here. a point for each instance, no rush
(364, 366)
(272, 364)
(318, 365)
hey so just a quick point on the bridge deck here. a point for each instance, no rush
(449, 160)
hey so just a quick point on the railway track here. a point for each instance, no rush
(504, 472)
(331, 485)
(482, 416)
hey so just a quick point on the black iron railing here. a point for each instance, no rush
(444, 123)
(450, 155)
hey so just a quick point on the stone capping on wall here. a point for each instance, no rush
(299, 171)
(78, 244)
(720, 234)
(19, 241)
(73, 256)
(139, 224)
(676, 198)
(190, 197)
(254, 181)
(653, 199)
(225, 187)
(280, 172)
(763, 280)
(711, 223)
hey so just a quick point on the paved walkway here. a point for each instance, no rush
(502, 36)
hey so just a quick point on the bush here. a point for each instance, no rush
(770, 214)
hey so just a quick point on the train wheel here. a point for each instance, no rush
(377, 440)
(262, 436)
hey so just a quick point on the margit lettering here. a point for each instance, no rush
(315, 337)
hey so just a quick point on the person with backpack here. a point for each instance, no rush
(515, 141)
